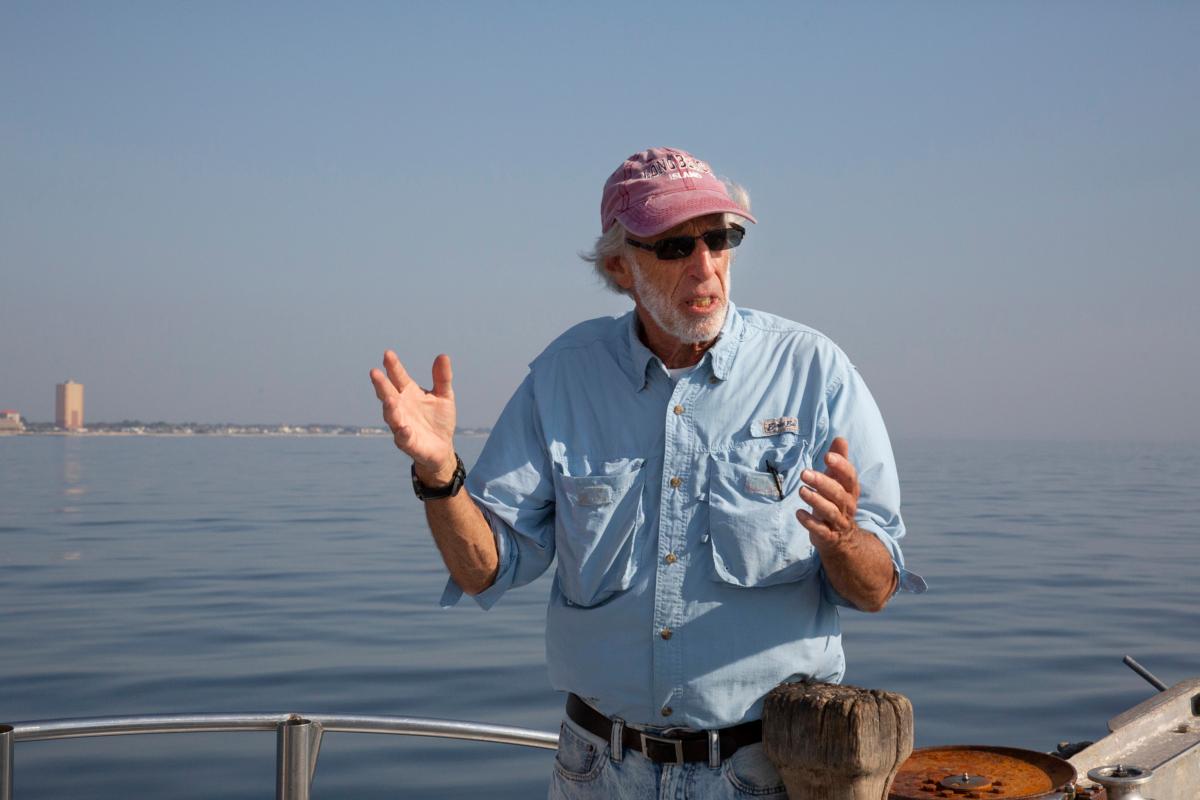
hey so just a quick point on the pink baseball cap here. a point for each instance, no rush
(657, 189)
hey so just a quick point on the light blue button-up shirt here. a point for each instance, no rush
(685, 587)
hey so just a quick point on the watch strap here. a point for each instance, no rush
(425, 492)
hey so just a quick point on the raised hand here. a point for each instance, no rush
(833, 495)
(422, 422)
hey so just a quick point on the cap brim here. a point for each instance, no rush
(663, 212)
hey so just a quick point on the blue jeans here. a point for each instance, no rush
(584, 769)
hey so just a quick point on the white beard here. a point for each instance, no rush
(675, 322)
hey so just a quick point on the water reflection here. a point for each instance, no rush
(72, 471)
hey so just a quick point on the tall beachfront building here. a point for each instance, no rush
(68, 405)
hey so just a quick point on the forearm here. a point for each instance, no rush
(860, 569)
(463, 537)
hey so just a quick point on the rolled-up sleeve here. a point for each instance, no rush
(853, 414)
(513, 487)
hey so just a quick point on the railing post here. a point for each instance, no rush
(297, 744)
(6, 761)
(834, 742)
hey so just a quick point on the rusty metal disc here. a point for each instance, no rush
(967, 771)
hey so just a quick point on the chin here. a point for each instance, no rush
(698, 331)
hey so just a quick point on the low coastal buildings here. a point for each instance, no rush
(10, 422)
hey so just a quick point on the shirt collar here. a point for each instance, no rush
(719, 356)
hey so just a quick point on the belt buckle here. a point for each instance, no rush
(677, 742)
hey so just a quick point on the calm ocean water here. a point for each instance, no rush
(148, 575)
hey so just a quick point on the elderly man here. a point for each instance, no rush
(714, 482)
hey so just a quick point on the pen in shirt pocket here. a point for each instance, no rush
(778, 480)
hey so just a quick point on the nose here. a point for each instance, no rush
(702, 263)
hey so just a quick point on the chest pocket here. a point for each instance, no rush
(755, 537)
(596, 521)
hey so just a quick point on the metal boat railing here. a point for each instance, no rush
(297, 737)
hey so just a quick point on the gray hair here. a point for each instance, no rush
(611, 244)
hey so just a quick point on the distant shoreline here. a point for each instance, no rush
(233, 432)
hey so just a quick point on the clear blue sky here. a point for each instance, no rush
(226, 211)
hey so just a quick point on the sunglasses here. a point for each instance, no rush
(677, 247)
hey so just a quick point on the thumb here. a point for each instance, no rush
(442, 377)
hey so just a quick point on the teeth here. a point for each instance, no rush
(703, 302)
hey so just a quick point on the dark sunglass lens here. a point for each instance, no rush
(723, 239)
(674, 248)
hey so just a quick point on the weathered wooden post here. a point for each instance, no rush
(836, 742)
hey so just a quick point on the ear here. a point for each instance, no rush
(620, 272)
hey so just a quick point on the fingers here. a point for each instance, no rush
(383, 387)
(388, 393)
(816, 528)
(841, 470)
(832, 495)
(839, 467)
(829, 488)
(393, 413)
(443, 375)
(828, 510)
(396, 372)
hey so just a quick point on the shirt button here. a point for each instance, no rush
(665, 633)
(671, 558)
(678, 410)
(667, 711)
(676, 482)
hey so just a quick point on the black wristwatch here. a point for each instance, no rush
(438, 492)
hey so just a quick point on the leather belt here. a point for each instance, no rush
(669, 746)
